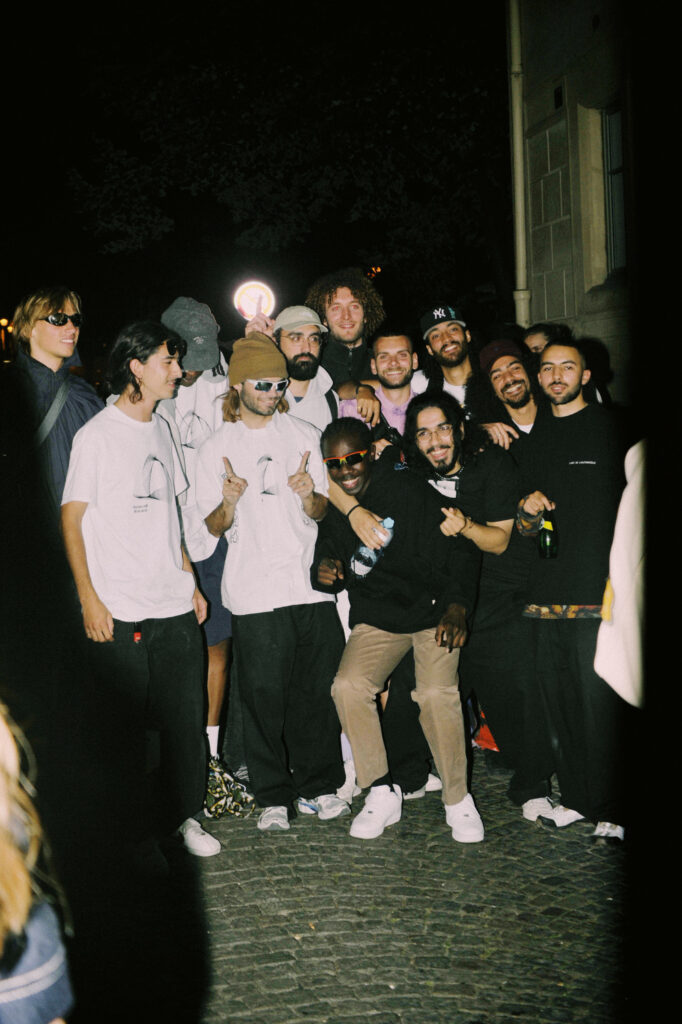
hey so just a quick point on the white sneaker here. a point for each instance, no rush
(326, 807)
(465, 821)
(607, 830)
(417, 794)
(538, 807)
(198, 842)
(350, 787)
(432, 785)
(564, 816)
(382, 808)
(273, 819)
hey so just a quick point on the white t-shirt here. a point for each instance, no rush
(193, 415)
(314, 407)
(271, 541)
(129, 475)
(420, 383)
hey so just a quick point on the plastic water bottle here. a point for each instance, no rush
(364, 559)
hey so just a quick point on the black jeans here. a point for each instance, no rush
(590, 726)
(286, 662)
(497, 664)
(152, 702)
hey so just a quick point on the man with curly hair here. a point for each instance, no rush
(351, 308)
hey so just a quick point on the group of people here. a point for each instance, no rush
(355, 534)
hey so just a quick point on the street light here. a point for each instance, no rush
(253, 297)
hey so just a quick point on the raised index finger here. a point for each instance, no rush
(303, 468)
(228, 468)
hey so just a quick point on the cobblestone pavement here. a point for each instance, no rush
(413, 928)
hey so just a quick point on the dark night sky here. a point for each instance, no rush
(78, 86)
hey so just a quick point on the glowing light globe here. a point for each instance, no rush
(253, 297)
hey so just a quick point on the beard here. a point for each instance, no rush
(390, 385)
(566, 397)
(441, 469)
(455, 360)
(355, 340)
(517, 403)
(302, 366)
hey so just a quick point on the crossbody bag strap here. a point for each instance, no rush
(50, 417)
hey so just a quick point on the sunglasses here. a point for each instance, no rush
(60, 319)
(351, 459)
(267, 385)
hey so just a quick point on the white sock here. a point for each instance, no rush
(212, 733)
(346, 752)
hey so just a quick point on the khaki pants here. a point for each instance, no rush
(370, 656)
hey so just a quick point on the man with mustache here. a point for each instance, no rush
(516, 404)
(299, 334)
(574, 465)
(447, 342)
(351, 308)
(262, 484)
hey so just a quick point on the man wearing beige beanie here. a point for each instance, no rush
(261, 483)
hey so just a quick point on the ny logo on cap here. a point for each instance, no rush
(439, 314)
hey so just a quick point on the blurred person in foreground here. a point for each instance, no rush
(34, 975)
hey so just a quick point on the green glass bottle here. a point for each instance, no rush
(548, 537)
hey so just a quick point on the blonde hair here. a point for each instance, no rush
(20, 831)
(37, 305)
(231, 406)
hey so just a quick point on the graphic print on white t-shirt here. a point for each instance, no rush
(153, 481)
(194, 429)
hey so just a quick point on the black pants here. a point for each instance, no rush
(590, 725)
(286, 662)
(497, 665)
(153, 713)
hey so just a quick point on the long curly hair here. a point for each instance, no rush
(321, 292)
(473, 437)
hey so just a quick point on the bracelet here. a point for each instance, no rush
(468, 524)
(356, 505)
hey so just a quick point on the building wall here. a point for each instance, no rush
(572, 53)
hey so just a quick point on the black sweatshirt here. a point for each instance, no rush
(420, 572)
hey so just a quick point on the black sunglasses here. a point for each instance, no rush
(351, 459)
(60, 319)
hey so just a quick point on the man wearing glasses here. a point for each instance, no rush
(261, 483)
(47, 324)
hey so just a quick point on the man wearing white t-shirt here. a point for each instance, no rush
(261, 483)
(139, 598)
